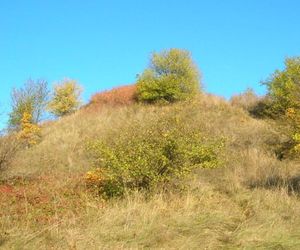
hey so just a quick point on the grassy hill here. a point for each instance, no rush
(248, 201)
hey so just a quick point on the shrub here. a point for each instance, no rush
(66, 98)
(32, 99)
(284, 86)
(263, 109)
(94, 179)
(292, 117)
(148, 155)
(172, 76)
(30, 133)
(121, 96)
(284, 93)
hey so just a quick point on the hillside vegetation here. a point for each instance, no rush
(158, 164)
(248, 201)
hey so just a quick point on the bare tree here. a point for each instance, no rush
(31, 98)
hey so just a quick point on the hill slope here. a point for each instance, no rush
(249, 201)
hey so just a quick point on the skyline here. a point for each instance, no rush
(101, 44)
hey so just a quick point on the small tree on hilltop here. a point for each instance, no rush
(66, 98)
(172, 76)
(31, 99)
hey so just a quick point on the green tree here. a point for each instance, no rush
(284, 87)
(66, 98)
(172, 76)
(284, 92)
(32, 99)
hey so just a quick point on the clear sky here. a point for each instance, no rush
(103, 44)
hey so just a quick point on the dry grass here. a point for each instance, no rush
(44, 203)
(203, 217)
(247, 100)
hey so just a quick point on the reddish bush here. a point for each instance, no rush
(121, 96)
(124, 95)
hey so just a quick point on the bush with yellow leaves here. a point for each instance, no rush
(30, 133)
(93, 178)
(66, 98)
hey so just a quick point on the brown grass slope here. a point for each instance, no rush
(250, 203)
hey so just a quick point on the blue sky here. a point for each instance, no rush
(103, 44)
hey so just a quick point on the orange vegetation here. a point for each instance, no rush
(120, 96)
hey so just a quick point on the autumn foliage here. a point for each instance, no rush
(66, 98)
(30, 132)
(120, 96)
(117, 96)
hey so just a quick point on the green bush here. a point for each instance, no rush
(284, 87)
(284, 95)
(172, 76)
(143, 156)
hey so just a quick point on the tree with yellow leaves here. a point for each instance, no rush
(30, 132)
(66, 98)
